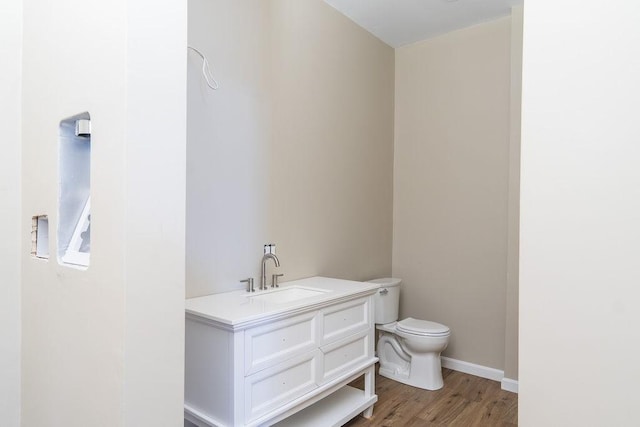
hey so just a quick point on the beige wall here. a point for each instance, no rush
(10, 52)
(330, 203)
(513, 208)
(296, 148)
(579, 246)
(451, 182)
(100, 345)
(229, 134)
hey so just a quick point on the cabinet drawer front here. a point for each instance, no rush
(270, 344)
(345, 319)
(340, 356)
(280, 384)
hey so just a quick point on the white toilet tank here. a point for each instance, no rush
(387, 300)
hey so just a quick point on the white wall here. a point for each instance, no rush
(155, 213)
(10, 229)
(296, 148)
(580, 205)
(101, 345)
(451, 180)
(73, 321)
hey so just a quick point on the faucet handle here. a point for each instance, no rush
(274, 280)
(249, 283)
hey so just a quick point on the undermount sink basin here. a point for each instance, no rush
(286, 295)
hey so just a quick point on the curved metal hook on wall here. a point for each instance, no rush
(206, 71)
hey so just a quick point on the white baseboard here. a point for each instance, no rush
(510, 385)
(473, 369)
(481, 371)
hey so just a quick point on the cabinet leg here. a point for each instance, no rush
(368, 413)
(369, 388)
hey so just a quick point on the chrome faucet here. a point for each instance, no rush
(263, 276)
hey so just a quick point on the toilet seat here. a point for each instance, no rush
(423, 328)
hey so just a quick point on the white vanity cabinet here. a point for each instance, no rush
(285, 364)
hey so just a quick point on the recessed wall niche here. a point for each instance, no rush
(74, 191)
(40, 237)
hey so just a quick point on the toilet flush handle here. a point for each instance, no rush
(384, 291)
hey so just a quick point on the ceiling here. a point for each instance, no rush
(401, 22)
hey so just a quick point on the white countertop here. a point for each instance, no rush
(238, 309)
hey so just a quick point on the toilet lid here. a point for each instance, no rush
(422, 327)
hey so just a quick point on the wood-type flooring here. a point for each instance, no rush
(464, 401)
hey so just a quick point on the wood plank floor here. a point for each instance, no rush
(464, 401)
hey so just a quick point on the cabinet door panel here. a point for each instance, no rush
(280, 384)
(345, 354)
(276, 342)
(344, 319)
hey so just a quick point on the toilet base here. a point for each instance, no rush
(427, 377)
(423, 371)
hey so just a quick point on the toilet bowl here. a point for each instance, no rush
(408, 350)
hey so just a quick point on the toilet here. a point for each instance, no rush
(409, 350)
